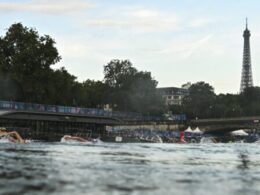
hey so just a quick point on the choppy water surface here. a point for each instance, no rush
(55, 168)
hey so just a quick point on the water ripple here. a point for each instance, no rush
(109, 168)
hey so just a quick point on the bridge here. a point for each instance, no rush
(225, 125)
(50, 122)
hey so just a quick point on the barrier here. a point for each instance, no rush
(11, 105)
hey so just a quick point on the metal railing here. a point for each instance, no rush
(11, 105)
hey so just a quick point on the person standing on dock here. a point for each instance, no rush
(182, 137)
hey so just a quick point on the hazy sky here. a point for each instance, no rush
(177, 40)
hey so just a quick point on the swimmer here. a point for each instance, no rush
(12, 136)
(73, 138)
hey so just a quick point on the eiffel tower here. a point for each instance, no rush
(246, 78)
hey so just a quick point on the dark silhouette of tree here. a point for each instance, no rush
(250, 101)
(132, 90)
(200, 101)
(94, 94)
(25, 58)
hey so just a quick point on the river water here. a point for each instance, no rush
(110, 168)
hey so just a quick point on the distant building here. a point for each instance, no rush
(173, 95)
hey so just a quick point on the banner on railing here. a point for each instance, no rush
(10, 105)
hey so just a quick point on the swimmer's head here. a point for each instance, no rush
(2, 129)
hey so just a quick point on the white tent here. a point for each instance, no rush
(239, 132)
(188, 130)
(197, 130)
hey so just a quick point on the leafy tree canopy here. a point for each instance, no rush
(200, 100)
(131, 89)
(25, 60)
(25, 50)
(119, 73)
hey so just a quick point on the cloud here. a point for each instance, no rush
(200, 22)
(139, 20)
(78, 47)
(185, 49)
(144, 13)
(72, 49)
(133, 23)
(46, 6)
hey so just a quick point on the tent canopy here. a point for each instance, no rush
(197, 130)
(239, 132)
(188, 130)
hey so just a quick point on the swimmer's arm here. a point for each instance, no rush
(80, 139)
(17, 136)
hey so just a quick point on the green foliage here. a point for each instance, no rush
(119, 74)
(132, 90)
(8, 88)
(94, 94)
(200, 101)
(25, 58)
(177, 109)
(228, 105)
(62, 88)
(250, 101)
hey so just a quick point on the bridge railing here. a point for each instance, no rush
(11, 105)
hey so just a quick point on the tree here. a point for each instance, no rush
(61, 88)
(25, 58)
(250, 101)
(143, 96)
(227, 105)
(94, 94)
(132, 90)
(200, 101)
(8, 88)
(119, 73)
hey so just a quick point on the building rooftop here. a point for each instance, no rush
(172, 91)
